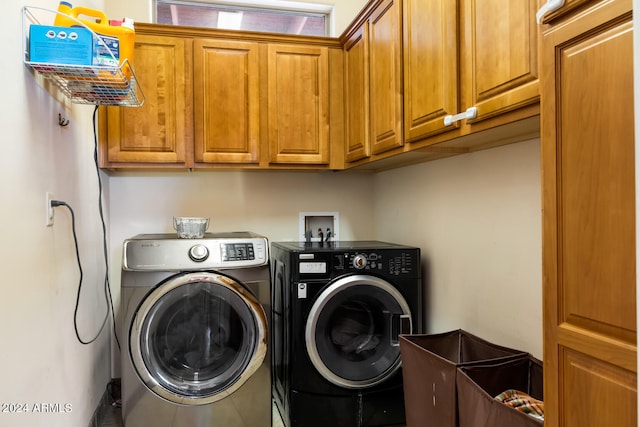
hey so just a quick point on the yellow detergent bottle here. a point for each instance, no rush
(116, 43)
(60, 19)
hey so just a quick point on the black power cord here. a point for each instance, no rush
(55, 203)
(107, 287)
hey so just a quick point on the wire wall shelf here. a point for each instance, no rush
(86, 84)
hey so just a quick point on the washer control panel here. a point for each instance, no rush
(393, 263)
(389, 263)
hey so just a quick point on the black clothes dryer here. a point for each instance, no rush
(337, 311)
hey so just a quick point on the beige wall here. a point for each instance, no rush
(41, 361)
(477, 219)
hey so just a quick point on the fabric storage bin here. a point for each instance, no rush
(429, 364)
(478, 386)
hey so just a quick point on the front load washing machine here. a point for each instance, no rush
(338, 308)
(196, 314)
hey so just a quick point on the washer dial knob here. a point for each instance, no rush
(198, 253)
(360, 261)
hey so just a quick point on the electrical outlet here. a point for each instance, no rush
(48, 209)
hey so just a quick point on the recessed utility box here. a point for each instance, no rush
(318, 226)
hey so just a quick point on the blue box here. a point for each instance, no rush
(60, 45)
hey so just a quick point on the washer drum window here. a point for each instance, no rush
(197, 338)
(352, 331)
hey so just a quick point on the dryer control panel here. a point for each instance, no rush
(158, 252)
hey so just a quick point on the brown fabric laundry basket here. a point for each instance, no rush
(478, 385)
(429, 364)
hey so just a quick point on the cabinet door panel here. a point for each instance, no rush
(356, 89)
(159, 131)
(298, 104)
(596, 177)
(385, 74)
(226, 110)
(610, 391)
(430, 66)
(500, 48)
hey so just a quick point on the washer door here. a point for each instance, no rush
(352, 331)
(197, 337)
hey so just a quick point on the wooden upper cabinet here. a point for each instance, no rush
(356, 93)
(227, 101)
(589, 218)
(159, 132)
(298, 104)
(385, 77)
(218, 98)
(500, 55)
(463, 54)
(373, 83)
(431, 44)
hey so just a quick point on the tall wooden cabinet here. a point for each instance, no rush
(589, 252)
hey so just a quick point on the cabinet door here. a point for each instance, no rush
(385, 74)
(499, 55)
(589, 252)
(159, 132)
(226, 107)
(430, 66)
(356, 90)
(298, 104)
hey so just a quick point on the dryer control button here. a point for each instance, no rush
(360, 261)
(198, 253)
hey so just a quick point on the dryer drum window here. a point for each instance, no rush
(198, 339)
(352, 331)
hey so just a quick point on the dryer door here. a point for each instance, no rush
(352, 331)
(197, 337)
